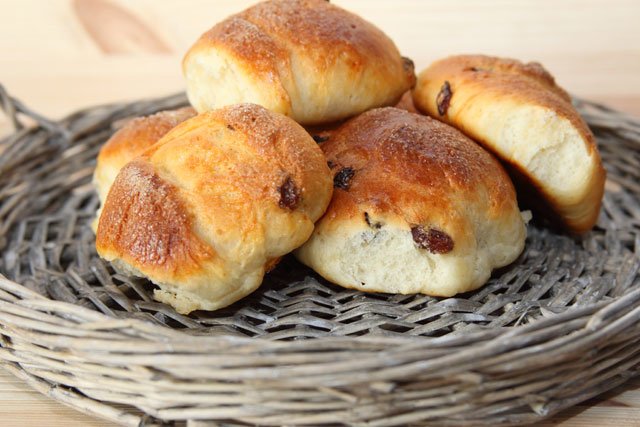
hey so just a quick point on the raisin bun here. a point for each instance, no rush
(417, 208)
(307, 59)
(208, 208)
(518, 112)
(130, 141)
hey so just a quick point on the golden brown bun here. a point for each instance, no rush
(307, 59)
(418, 208)
(203, 212)
(518, 112)
(130, 141)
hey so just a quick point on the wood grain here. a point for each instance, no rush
(52, 62)
(61, 55)
(114, 29)
(22, 406)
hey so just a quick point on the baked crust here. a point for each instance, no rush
(130, 141)
(209, 207)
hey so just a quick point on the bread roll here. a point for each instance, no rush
(307, 59)
(209, 207)
(130, 141)
(417, 208)
(406, 103)
(518, 112)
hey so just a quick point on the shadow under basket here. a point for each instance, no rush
(557, 327)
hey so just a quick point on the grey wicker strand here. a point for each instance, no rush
(557, 327)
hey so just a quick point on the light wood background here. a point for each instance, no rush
(61, 55)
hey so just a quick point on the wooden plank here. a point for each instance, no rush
(22, 406)
(52, 62)
(617, 408)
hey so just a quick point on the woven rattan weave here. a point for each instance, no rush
(558, 326)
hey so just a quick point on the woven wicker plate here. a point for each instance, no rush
(557, 327)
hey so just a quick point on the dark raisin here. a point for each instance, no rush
(230, 127)
(444, 98)
(367, 219)
(319, 139)
(289, 194)
(409, 69)
(407, 64)
(342, 179)
(433, 240)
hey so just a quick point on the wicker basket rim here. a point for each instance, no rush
(24, 292)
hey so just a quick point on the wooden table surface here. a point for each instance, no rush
(61, 55)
